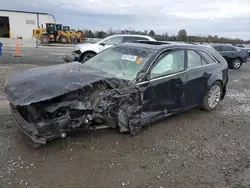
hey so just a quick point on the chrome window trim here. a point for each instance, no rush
(201, 66)
(162, 77)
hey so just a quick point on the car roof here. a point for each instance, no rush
(168, 46)
(130, 35)
(162, 46)
(230, 45)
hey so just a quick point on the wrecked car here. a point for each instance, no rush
(126, 86)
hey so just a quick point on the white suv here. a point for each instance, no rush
(83, 52)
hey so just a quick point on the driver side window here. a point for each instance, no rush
(169, 63)
(114, 41)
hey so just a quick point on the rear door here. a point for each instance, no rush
(165, 93)
(199, 72)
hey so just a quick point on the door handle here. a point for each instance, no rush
(180, 84)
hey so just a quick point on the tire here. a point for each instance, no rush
(215, 91)
(63, 40)
(86, 56)
(44, 39)
(236, 63)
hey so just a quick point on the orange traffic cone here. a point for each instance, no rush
(17, 48)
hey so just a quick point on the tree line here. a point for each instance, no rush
(181, 36)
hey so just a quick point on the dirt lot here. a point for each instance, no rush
(193, 149)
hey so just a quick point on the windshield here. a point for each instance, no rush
(121, 61)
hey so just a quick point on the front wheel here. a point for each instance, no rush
(213, 97)
(44, 39)
(86, 56)
(63, 40)
(236, 63)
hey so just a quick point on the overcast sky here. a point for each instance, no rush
(229, 18)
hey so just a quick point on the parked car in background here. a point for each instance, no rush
(241, 45)
(244, 48)
(127, 86)
(233, 55)
(83, 52)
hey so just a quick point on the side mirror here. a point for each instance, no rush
(103, 43)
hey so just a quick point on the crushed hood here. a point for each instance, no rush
(40, 84)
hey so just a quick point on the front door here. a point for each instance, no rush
(165, 93)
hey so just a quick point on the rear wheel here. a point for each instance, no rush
(44, 39)
(86, 56)
(236, 63)
(213, 97)
(63, 40)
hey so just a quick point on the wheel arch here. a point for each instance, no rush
(238, 58)
(223, 86)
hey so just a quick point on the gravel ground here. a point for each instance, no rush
(192, 149)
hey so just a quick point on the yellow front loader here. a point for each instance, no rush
(76, 36)
(52, 33)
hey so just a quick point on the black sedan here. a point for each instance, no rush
(126, 86)
(234, 56)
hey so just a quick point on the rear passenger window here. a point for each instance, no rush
(194, 59)
(207, 57)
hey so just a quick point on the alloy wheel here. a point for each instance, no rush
(236, 64)
(214, 96)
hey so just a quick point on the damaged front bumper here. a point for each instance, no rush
(51, 132)
(72, 57)
(28, 128)
(43, 131)
(69, 58)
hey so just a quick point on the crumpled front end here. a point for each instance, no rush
(93, 107)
